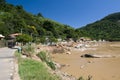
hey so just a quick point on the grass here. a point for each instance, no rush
(32, 70)
(28, 50)
(18, 56)
(44, 57)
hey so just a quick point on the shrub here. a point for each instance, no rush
(24, 38)
(28, 50)
(89, 78)
(80, 78)
(51, 65)
(44, 57)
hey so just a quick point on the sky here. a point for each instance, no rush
(76, 13)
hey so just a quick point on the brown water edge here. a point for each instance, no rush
(98, 68)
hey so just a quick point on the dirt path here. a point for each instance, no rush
(98, 68)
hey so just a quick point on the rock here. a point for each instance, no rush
(87, 56)
(82, 66)
(64, 76)
(96, 56)
(90, 61)
(68, 52)
(24, 56)
(57, 65)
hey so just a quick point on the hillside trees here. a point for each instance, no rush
(24, 38)
(2, 4)
(13, 19)
(107, 28)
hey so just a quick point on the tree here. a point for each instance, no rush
(70, 32)
(13, 19)
(32, 29)
(42, 40)
(52, 39)
(24, 38)
(39, 15)
(19, 7)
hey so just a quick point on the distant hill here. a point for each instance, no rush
(14, 19)
(107, 28)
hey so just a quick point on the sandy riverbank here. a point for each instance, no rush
(98, 68)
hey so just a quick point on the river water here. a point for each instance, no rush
(98, 68)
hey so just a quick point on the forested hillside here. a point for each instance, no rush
(107, 28)
(14, 19)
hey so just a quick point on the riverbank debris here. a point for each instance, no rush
(97, 56)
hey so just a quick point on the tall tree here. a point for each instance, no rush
(39, 15)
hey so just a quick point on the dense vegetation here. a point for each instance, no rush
(107, 28)
(45, 58)
(14, 19)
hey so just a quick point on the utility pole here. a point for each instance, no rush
(21, 34)
(31, 35)
(21, 30)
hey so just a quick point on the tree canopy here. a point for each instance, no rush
(13, 19)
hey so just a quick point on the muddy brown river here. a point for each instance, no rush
(98, 68)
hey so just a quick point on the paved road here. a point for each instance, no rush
(6, 63)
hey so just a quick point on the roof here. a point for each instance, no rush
(1, 36)
(15, 34)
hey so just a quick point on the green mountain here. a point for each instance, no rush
(107, 28)
(14, 19)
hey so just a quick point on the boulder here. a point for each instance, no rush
(96, 56)
(68, 52)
